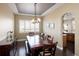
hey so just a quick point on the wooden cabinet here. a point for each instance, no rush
(68, 37)
(64, 41)
(5, 50)
(5, 47)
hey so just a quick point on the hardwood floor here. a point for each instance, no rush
(21, 51)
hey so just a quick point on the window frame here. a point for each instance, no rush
(30, 28)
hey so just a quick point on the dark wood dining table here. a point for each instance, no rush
(36, 44)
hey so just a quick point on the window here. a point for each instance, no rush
(28, 26)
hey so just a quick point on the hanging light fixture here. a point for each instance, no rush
(35, 19)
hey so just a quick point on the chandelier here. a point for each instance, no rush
(35, 19)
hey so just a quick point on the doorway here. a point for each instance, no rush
(68, 26)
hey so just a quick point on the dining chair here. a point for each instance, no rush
(28, 49)
(42, 35)
(49, 50)
(31, 33)
(50, 39)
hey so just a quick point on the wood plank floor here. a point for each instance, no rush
(22, 52)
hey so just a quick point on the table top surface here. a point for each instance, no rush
(35, 41)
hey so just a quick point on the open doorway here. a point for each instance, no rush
(68, 25)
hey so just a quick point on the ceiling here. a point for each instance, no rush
(28, 8)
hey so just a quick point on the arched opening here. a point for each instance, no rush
(68, 31)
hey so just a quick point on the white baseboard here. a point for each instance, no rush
(61, 48)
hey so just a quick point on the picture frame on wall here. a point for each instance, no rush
(51, 25)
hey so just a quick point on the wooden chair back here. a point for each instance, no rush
(31, 33)
(50, 49)
(28, 48)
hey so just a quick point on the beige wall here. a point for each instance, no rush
(55, 17)
(23, 17)
(6, 20)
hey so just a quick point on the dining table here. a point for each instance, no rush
(36, 43)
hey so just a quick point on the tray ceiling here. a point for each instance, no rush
(28, 8)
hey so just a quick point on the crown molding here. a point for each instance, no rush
(13, 7)
(52, 8)
(27, 14)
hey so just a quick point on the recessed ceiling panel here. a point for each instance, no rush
(28, 8)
